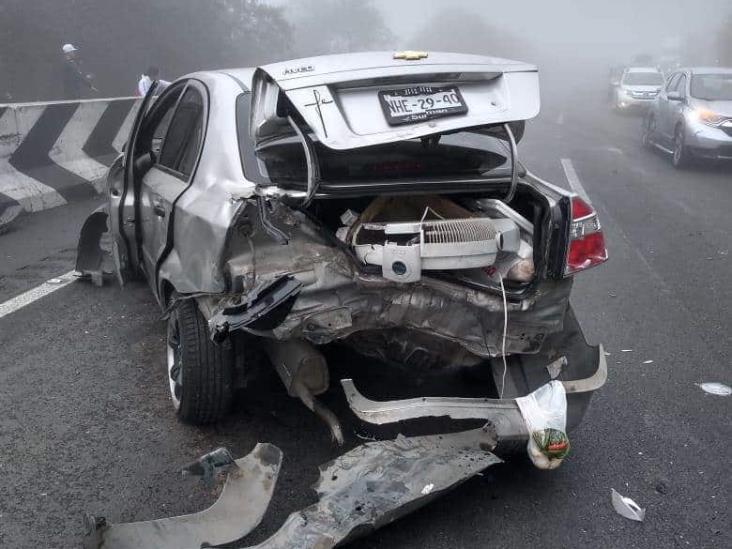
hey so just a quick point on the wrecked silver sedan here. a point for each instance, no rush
(374, 199)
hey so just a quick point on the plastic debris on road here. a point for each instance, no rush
(627, 508)
(545, 414)
(714, 388)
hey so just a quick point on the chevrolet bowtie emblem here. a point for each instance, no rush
(410, 55)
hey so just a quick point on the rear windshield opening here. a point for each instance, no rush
(447, 156)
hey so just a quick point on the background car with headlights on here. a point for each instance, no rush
(638, 87)
(692, 116)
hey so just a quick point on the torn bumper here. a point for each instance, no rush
(504, 414)
(239, 509)
(360, 491)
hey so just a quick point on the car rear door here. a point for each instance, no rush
(179, 145)
(123, 199)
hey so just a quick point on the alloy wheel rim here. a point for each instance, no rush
(678, 147)
(650, 127)
(174, 359)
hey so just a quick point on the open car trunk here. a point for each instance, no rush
(382, 212)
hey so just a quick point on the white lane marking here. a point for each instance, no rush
(29, 193)
(34, 294)
(68, 150)
(574, 180)
(560, 118)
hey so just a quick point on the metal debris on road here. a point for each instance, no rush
(239, 509)
(375, 483)
(714, 388)
(627, 508)
(208, 465)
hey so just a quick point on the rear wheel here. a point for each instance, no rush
(681, 157)
(200, 372)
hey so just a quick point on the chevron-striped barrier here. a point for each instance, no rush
(52, 153)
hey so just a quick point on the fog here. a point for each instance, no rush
(591, 28)
(565, 38)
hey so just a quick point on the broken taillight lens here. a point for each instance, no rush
(586, 241)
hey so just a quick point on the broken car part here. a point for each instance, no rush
(304, 372)
(262, 308)
(378, 482)
(504, 414)
(714, 388)
(439, 236)
(626, 507)
(239, 509)
(209, 464)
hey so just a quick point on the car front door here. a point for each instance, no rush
(662, 122)
(676, 108)
(179, 144)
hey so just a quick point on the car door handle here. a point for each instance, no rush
(159, 210)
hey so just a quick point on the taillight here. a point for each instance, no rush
(586, 241)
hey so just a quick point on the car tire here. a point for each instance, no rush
(680, 157)
(200, 372)
(649, 130)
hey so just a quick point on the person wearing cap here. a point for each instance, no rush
(76, 81)
(151, 75)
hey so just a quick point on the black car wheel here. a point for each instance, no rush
(200, 372)
(681, 157)
(649, 132)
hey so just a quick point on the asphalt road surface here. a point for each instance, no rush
(86, 425)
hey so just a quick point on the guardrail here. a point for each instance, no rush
(55, 152)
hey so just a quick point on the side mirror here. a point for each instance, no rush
(674, 96)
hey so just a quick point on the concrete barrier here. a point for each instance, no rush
(52, 153)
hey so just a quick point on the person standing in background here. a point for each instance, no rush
(76, 82)
(151, 74)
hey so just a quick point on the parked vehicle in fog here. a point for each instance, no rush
(638, 87)
(692, 116)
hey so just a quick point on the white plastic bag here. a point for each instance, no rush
(545, 414)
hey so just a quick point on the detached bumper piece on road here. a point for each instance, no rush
(504, 414)
(239, 509)
(362, 490)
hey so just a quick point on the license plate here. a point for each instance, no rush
(419, 103)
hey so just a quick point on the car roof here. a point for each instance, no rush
(709, 70)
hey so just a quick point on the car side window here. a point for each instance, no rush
(681, 85)
(183, 140)
(671, 83)
(162, 111)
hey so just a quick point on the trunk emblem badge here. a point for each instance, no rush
(411, 55)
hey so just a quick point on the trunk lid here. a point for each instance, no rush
(357, 100)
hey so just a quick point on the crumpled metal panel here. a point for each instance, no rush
(378, 482)
(336, 300)
(239, 509)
